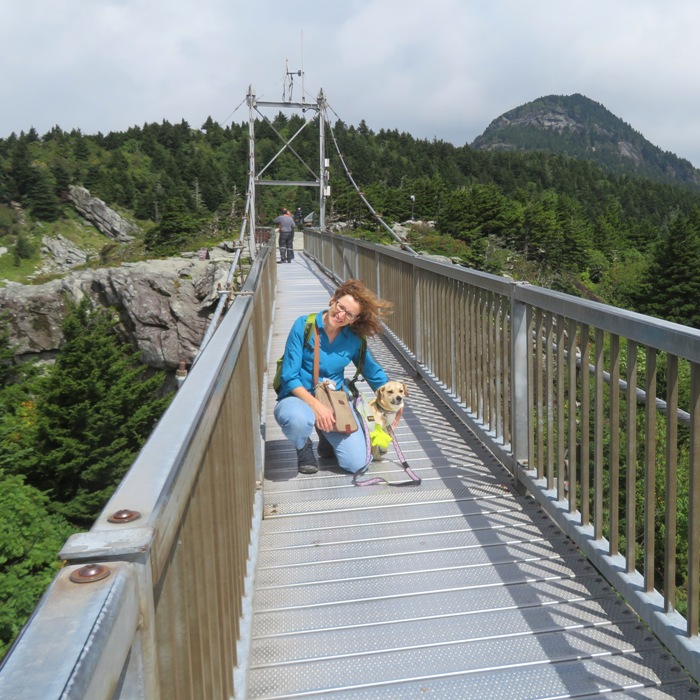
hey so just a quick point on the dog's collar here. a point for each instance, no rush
(390, 408)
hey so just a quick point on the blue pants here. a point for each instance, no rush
(297, 422)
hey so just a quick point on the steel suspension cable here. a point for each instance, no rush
(225, 292)
(376, 215)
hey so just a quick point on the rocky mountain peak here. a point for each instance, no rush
(576, 126)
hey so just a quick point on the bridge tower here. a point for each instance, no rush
(319, 178)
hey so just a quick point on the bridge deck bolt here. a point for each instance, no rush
(90, 573)
(124, 516)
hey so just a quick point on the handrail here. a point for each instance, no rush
(508, 357)
(171, 618)
(166, 569)
(224, 294)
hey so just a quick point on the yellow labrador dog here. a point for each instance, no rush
(388, 402)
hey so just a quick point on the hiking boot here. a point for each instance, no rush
(324, 449)
(306, 459)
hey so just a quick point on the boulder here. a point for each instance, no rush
(439, 258)
(61, 254)
(163, 306)
(106, 220)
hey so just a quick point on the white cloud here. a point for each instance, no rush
(434, 68)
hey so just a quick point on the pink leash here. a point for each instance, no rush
(414, 480)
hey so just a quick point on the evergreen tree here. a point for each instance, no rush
(61, 178)
(32, 136)
(42, 199)
(21, 171)
(610, 230)
(480, 211)
(541, 235)
(82, 151)
(10, 369)
(177, 229)
(7, 354)
(16, 406)
(23, 249)
(670, 288)
(215, 134)
(30, 539)
(94, 410)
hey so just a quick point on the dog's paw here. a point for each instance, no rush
(378, 453)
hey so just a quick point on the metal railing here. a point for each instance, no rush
(557, 387)
(154, 600)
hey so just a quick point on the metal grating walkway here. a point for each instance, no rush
(457, 588)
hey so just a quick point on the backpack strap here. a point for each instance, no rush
(352, 384)
(309, 327)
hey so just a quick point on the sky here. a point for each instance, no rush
(437, 69)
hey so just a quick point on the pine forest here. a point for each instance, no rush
(70, 429)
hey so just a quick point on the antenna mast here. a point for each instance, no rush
(288, 88)
(303, 90)
(319, 178)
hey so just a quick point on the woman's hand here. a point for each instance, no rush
(325, 418)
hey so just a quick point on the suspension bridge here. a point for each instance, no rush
(218, 571)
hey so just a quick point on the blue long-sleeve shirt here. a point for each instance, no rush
(298, 361)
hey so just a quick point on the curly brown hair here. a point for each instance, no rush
(372, 309)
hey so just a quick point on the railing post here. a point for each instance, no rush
(519, 390)
(694, 505)
(417, 319)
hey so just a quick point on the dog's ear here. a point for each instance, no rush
(380, 392)
(405, 390)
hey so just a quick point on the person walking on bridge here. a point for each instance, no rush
(285, 226)
(354, 313)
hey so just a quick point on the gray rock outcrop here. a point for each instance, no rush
(106, 220)
(61, 254)
(163, 306)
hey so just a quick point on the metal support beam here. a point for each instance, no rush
(252, 214)
(320, 179)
